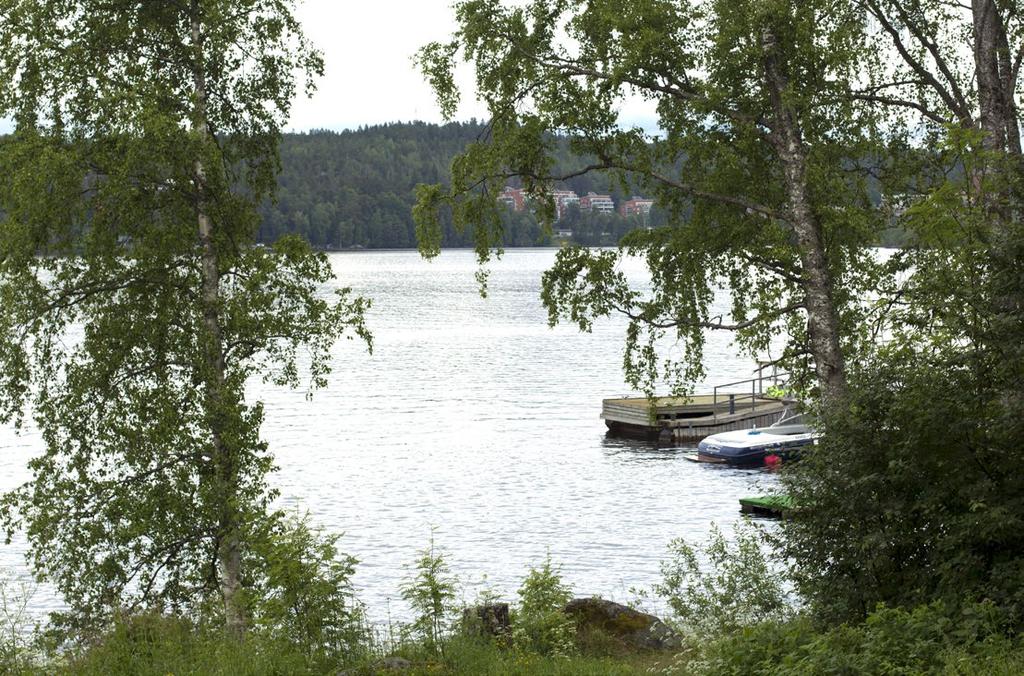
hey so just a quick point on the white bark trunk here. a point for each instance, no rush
(996, 84)
(816, 282)
(229, 549)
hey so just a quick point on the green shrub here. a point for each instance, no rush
(912, 495)
(303, 612)
(722, 586)
(540, 624)
(430, 591)
(157, 645)
(16, 651)
(925, 640)
(301, 591)
(478, 657)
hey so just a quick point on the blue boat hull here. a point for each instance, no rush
(750, 456)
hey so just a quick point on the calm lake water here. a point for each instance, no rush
(475, 419)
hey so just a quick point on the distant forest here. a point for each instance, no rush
(355, 189)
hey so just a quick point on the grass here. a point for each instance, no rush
(161, 646)
(463, 655)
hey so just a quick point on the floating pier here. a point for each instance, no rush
(733, 406)
(768, 505)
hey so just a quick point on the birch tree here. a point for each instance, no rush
(133, 304)
(946, 77)
(758, 156)
(942, 516)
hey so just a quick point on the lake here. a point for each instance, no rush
(475, 419)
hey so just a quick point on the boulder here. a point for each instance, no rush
(632, 627)
(392, 664)
(490, 619)
(387, 665)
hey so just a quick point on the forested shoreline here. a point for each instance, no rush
(354, 189)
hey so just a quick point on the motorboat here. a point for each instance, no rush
(779, 442)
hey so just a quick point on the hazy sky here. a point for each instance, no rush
(368, 49)
(369, 75)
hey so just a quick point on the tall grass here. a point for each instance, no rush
(542, 640)
(16, 627)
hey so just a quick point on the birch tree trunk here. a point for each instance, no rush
(816, 282)
(996, 79)
(218, 406)
(996, 73)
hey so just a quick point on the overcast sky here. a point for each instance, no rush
(369, 73)
(370, 77)
(368, 49)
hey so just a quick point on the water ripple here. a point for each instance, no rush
(475, 418)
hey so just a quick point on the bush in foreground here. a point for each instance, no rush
(157, 646)
(926, 640)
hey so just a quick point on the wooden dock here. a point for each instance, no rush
(767, 505)
(734, 406)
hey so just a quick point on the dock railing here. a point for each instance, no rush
(751, 390)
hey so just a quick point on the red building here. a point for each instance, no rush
(638, 206)
(594, 202)
(514, 198)
(563, 200)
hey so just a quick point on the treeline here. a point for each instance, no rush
(351, 189)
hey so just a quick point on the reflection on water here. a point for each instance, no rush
(633, 450)
(474, 417)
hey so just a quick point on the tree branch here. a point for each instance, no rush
(933, 49)
(904, 103)
(689, 95)
(716, 325)
(961, 111)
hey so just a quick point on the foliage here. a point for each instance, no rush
(431, 594)
(134, 306)
(540, 624)
(289, 640)
(476, 657)
(924, 640)
(908, 498)
(157, 646)
(717, 166)
(302, 591)
(720, 587)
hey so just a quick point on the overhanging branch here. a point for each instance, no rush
(718, 325)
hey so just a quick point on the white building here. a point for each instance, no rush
(594, 202)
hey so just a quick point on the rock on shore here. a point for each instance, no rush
(633, 627)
